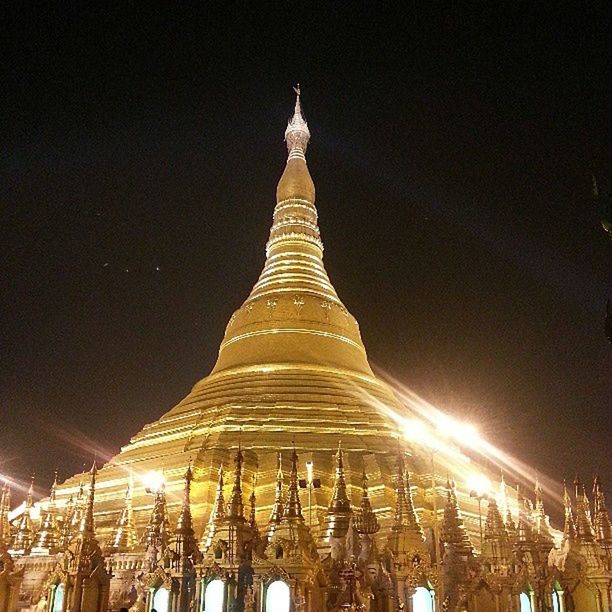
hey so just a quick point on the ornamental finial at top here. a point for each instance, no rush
(297, 134)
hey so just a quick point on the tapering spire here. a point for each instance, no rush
(339, 510)
(293, 507)
(157, 533)
(217, 514)
(87, 529)
(405, 514)
(185, 545)
(5, 508)
(584, 529)
(569, 527)
(22, 539)
(253, 507)
(406, 534)
(601, 520)
(218, 511)
(400, 492)
(235, 505)
(504, 506)
(297, 134)
(539, 497)
(496, 545)
(48, 537)
(540, 519)
(453, 532)
(524, 535)
(76, 515)
(365, 521)
(494, 525)
(277, 509)
(511, 527)
(66, 527)
(124, 535)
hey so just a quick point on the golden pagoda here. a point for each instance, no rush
(292, 368)
(292, 387)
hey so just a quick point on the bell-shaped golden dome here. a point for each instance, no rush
(295, 183)
(293, 314)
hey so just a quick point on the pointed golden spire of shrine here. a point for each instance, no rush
(253, 507)
(503, 497)
(217, 513)
(365, 521)
(569, 527)
(601, 519)
(85, 555)
(511, 527)
(400, 492)
(78, 509)
(87, 529)
(293, 508)
(48, 536)
(157, 533)
(22, 539)
(453, 531)
(277, 509)
(524, 534)
(124, 536)
(541, 522)
(406, 534)
(584, 529)
(494, 525)
(539, 497)
(235, 505)
(184, 543)
(5, 509)
(339, 510)
(66, 527)
(405, 514)
(291, 533)
(496, 546)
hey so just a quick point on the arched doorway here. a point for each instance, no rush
(525, 602)
(556, 601)
(278, 597)
(57, 601)
(213, 596)
(161, 600)
(423, 600)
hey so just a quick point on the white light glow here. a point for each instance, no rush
(422, 600)
(161, 600)
(213, 597)
(278, 598)
(310, 471)
(153, 481)
(480, 484)
(525, 603)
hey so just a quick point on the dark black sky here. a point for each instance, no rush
(452, 151)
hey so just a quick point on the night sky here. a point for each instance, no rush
(452, 152)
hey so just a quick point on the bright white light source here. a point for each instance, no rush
(161, 600)
(309, 471)
(465, 434)
(479, 484)
(278, 597)
(422, 600)
(153, 481)
(213, 596)
(418, 432)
